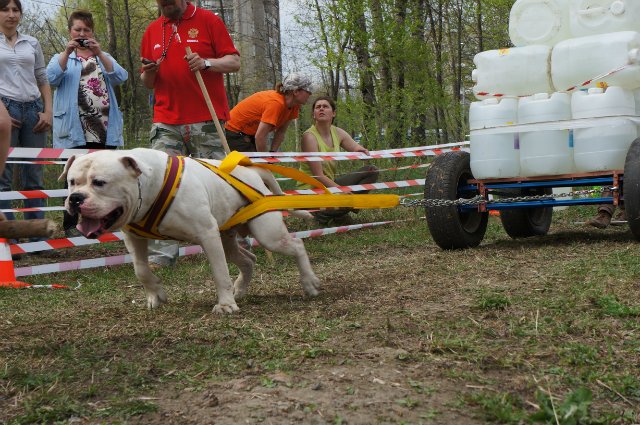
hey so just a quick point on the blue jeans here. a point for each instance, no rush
(31, 176)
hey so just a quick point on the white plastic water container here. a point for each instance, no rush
(518, 71)
(539, 22)
(497, 155)
(602, 147)
(545, 153)
(578, 60)
(589, 17)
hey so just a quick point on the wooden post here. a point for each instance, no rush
(212, 111)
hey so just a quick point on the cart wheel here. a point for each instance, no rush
(449, 227)
(526, 222)
(631, 188)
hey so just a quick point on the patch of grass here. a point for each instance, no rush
(611, 306)
(574, 409)
(405, 331)
(499, 407)
(493, 301)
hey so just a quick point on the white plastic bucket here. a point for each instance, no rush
(539, 22)
(545, 153)
(494, 156)
(589, 17)
(519, 71)
(578, 60)
(602, 148)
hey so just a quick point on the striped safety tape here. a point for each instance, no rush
(40, 153)
(570, 89)
(189, 250)
(62, 193)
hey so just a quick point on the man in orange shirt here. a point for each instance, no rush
(264, 112)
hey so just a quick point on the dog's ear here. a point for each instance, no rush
(63, 176)
(131, 164)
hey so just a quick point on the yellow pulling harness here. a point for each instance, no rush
(258, 202)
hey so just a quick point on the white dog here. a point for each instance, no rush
(111, 189)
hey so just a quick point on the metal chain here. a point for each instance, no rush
(477, 200)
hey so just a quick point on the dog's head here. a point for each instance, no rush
(103, 190)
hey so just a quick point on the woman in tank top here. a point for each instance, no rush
(323, 136)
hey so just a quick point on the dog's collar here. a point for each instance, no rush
(139, 199)
(147, 226)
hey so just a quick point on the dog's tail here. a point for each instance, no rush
(274, 187)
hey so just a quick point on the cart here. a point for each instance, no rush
(525, 204)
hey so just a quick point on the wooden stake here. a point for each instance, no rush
(16, 229)
(212, 111)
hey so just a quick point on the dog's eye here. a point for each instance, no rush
(98, 183)
(72, 182)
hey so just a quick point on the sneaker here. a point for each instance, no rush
(621, 215)
(601, 221)
(321, 219)
(72, 232)
(344, 220)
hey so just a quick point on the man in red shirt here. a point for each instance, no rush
(182, 123)
(267, 111)
(180, 112)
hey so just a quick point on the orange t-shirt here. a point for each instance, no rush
(266, 106)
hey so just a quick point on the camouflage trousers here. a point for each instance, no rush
(198, 140)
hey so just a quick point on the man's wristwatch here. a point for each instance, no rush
(207, 64)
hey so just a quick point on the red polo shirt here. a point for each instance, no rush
(178, 98)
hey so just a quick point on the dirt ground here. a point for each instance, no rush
(412, 347)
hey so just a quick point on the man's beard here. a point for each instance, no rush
(173, 12)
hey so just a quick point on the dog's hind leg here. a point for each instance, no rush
(138, 249)
(244, 259)
(270, 231)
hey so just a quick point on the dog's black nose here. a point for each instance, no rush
(75, 200)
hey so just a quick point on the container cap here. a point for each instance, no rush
(617, 8)
(595, 90)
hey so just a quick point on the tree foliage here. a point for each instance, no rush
(400, 69)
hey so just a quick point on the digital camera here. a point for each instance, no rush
(83, 42)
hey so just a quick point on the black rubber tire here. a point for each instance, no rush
(450, 228)
(631, 188)
(526, 222)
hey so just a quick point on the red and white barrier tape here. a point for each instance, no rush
(586, 83)
(382, 170)
(189, 250)
(62, 193)
(40, 153)
(359, 187)
(33, 194)
(30, 247)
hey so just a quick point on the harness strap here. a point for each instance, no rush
(235, 158)
(147, 227)
(259, 203)
(295, 202)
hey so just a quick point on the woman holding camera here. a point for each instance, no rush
(85, 109)
(26, 94)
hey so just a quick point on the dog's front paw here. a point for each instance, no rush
(225, 308)
(156, 299)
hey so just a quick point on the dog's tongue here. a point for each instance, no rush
(89, 227)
